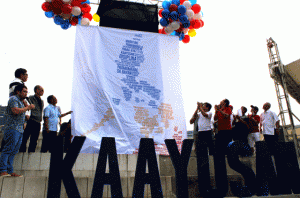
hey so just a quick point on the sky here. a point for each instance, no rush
(228, 57)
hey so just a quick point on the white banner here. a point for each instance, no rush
(126, 85)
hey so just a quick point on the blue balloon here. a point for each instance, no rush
(79, 20)
(64, 26)
(165, 13)
(176, 2)
(166, 4)
(49, 14)
(181, 9)
(177, 33)
(87, 1)
(164, 22)
(186, 24)
(174, 15)
(183, 19)
(193, 2)
(58, 20)
(181, 37)
(173, 33)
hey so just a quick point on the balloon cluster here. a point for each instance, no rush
(68, 12)
(180, 18)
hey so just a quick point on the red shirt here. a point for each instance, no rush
(224, 123)
(253, 125)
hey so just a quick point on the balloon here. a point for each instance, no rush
(173, 33)
(192, 33)
(49, 14)
(186, 25)
(57, 3)
(47, 7)
(165, 13)
(85, 8)
(76, 11)
(160, 31)
(187, 5)
(159, 12)
(192, 23)
(177, 33)
(58, 20)
(85, 21)
(65, 24)
(66, 16)
(185, 30)
(193, 2)
(175, 25)
(190, 14)
(57, 11)
(181, 9)
(163, 22)
(96, 17)
(75, 3)
(173, 7)
(180, 29)
(181, 36)
(196, 8)
(66, 9)
(186, 39)
(166, 4)
(74, 21)
(88, 16)
(48, 1)
(67, 1)
(181, 1)
(198, 24)
(174, 15)
(183, 19)
(168, 29)
(197, 16)
(176, 2)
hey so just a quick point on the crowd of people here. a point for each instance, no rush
(226, 127)
(23, 121)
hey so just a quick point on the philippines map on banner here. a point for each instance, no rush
(126, 85)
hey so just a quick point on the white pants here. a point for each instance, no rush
(252, 138)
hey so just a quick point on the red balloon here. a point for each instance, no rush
(57, 11)
(57, 3)
(173, 7)
(159, 12)
(66, 9)
(76, 3)
(192, 24)
(160, 31)
(186, 39)
(197, 24)
(202, 23)
(196, 8)
(181, 1)
(85, 8)
(47, 7)
(74, 21)
(87, 15)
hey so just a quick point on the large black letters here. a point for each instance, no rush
(108, 148)
(61, 169)
(180, 163)
(147, 153)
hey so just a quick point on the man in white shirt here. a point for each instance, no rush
(269, 122)
(202, 118)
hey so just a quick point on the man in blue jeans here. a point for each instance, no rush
(13, 131)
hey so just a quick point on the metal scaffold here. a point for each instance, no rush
(279, 74)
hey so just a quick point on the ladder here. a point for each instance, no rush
(278, 74)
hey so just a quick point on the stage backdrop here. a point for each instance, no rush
(126, 85)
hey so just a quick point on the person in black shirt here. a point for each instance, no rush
(65, 131)
(34, 123)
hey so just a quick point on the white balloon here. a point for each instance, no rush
(187, 4)
(85, 21)
(76, 11)
(67, 1)
(48, 0)
(169, 29)
(197, 16)
(175, 25)
(190, 14)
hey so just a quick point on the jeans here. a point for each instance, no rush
(13, 141)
